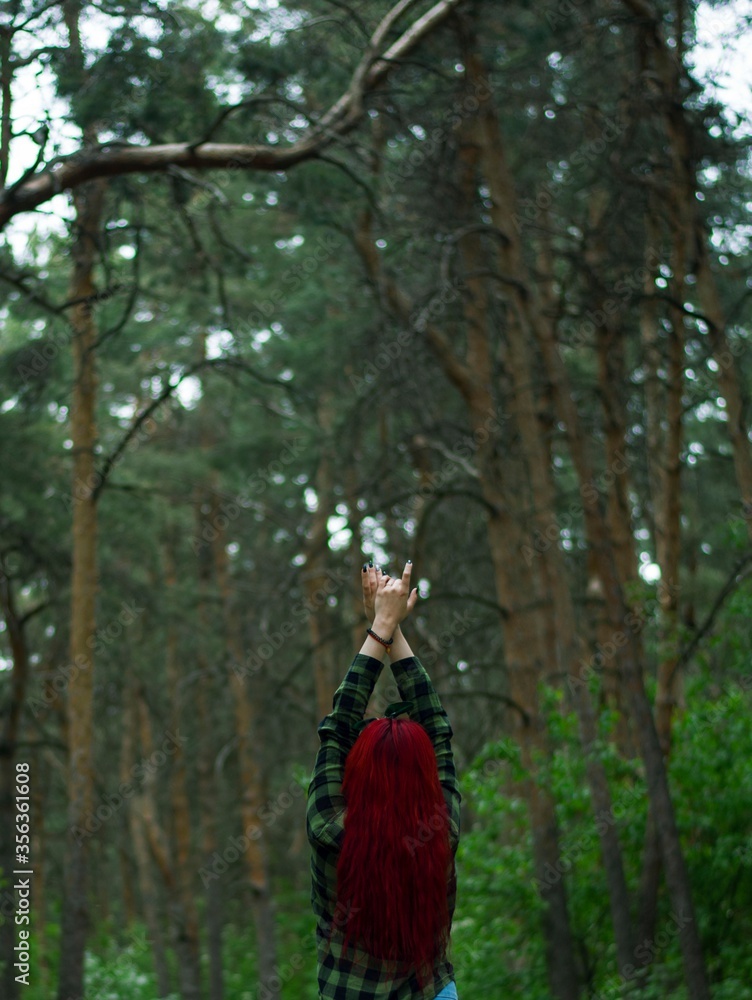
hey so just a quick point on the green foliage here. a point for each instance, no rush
(308, 395)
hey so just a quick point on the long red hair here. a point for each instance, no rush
(396, 859)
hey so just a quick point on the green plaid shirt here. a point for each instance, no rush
(355, 975)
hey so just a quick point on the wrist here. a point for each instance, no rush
(385, 626)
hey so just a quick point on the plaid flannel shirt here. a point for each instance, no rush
(355, 975)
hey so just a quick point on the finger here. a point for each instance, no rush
(412, 599)
(406, 574)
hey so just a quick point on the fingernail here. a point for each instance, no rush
(370, 563)
(409, 561)
(364, 567)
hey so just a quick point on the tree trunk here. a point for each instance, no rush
(149, 899)
(184, 905)
(207, 784)
(567, 649)
(724, 355)
(246, 694)
(75, 920)
(316, 580)
(664, 442)
(186, 946)
(633, 683)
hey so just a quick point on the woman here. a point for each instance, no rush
(383, 822)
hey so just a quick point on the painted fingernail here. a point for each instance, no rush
(409, 561)
(364, 567)
(370, 564)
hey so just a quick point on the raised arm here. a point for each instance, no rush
(339, 730)
(415, 686)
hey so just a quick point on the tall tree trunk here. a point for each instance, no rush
(664, 68)
(135, 827)
(75, 920)
(568, 647)
(207, 784)
(664, 441)
(524, 650)
(184, 904)
(724, 354)
(315, 568)
(246, 693)
(144, 802)
(619, 520)
(521, 590)
(129, 904)
(502, 195)
(633, 676)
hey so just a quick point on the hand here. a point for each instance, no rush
(392, 598)
(369, 577)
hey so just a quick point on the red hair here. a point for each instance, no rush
(396, 859)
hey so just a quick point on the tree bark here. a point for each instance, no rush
(88, 202)
(207, 785)
(524, 318)
(246, 693)
(185, 944)
(149, 899)
(184, 907)
(315, 568)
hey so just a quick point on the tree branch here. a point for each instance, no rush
(121, 158)
(738, 575)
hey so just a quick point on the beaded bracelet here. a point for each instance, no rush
(384, 642)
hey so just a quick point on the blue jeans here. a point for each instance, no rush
(449, 992)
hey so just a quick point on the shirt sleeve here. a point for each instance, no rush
(415, 686)
(337, 733)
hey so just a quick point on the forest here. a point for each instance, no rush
(290, 285)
